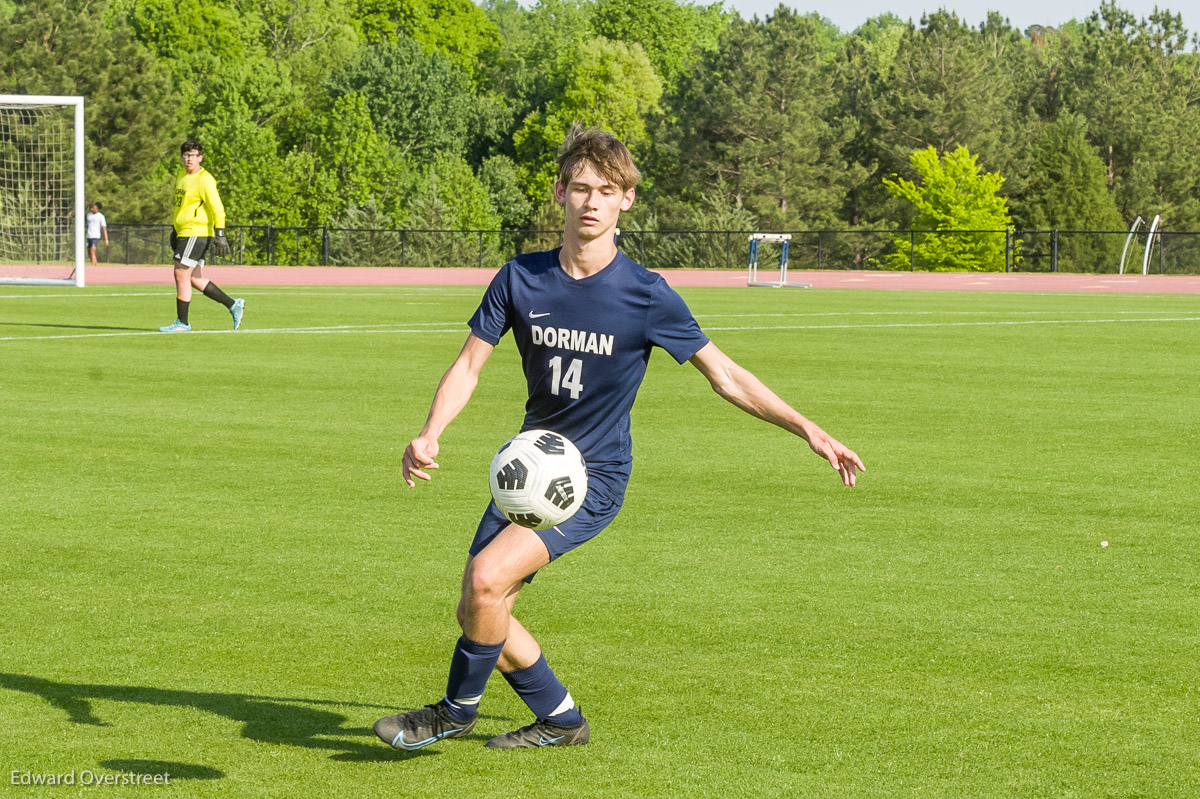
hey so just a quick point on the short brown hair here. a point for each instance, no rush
(604, 152)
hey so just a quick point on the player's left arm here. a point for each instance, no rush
(213, 200)
(740, 387)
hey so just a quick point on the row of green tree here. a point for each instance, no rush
(446, 114)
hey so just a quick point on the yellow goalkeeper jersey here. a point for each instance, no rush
(198, 207)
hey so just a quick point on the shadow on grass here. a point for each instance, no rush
(266, 719)
(152, 768)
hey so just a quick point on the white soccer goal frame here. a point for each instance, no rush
(783, 239)
(1128, 240)
(1149, 243)
(77, 279)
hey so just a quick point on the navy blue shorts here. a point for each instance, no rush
(93, 242)
(606, 492)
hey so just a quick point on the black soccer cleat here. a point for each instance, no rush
(419, 728)
(542, 733)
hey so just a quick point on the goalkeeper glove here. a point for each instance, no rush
(220, 243)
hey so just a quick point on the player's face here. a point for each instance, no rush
(191, 161)
(592, 203)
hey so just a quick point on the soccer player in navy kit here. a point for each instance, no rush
(584, 318)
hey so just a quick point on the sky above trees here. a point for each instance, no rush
(1021, 13)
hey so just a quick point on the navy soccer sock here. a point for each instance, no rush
(546, 696)
(470, 668)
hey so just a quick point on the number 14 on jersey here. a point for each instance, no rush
(571, 380)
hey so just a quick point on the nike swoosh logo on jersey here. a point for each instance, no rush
(533, 315)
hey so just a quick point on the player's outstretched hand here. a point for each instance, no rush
(220, 243)
(840, 457)
(418, 456)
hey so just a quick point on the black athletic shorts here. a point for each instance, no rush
(189, 250)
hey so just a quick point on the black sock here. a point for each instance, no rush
(213, 292)
(181, 309)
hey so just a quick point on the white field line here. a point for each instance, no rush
(405, 293)
(921, 313)
(411, 327)
(418, 293)
(996, 323)
(433, 327)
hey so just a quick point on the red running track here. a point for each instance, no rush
(105, 275)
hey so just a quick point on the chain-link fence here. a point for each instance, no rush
(1092, 251)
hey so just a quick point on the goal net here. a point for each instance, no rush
(41, 190)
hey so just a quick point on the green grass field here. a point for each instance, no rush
(211, 566)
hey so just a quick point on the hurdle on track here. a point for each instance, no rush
(782, 239)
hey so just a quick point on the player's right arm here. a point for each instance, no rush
(453, 392)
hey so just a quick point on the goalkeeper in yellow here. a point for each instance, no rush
(199, 224)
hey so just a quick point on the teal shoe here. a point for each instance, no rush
(176, 327)
(239, 306)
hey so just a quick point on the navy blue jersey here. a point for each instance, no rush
(585, 344)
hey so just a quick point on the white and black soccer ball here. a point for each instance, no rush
(538, 479)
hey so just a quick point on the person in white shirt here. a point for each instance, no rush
(97, 226)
